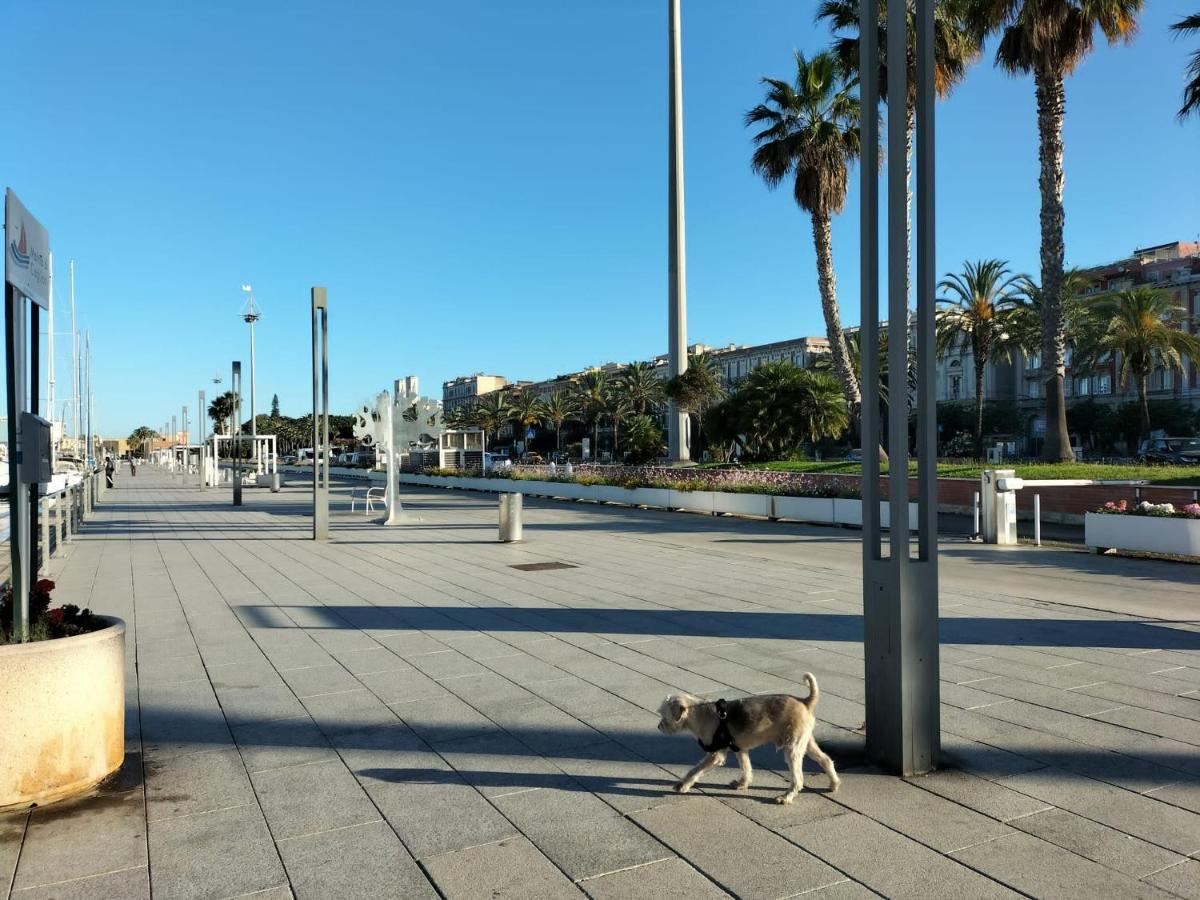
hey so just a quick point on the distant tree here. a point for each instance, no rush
(139, 437)
(641, 386)
(490, 412)
(643, 440)
(590, 395)
(221, 411)
(1141, 328)
(698, 388)
(560, 408)
(980, 309)
(780, 406)
(525, 411)
(275, 406)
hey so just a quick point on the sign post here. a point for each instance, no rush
(26, 276)
(200, 430)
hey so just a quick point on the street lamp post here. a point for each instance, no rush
(250, 315)
(677, 360)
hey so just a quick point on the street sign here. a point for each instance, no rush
(26, 252)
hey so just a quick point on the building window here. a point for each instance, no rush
(1035, 361)
(955, 386)
(1083, 386)
(1104, 384)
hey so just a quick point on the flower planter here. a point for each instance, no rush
(849, 512)
(1149, 534)
(693, 501)
(737, 504)
(804, 509)
(62, 715)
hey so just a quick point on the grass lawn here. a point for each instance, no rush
(1188, 476)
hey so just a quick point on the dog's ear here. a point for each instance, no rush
(678, 707)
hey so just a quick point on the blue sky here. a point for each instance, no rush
(481, 185)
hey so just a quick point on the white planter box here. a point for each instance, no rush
(739, 504)
(805, 509)
(849, 512)
(693, 501)
(1149, 534)
(660, 497)
(62, 705)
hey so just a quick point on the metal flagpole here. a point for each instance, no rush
(76, 423)
(677, 358)
(50, 366)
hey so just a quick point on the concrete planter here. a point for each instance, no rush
(660, 497)
(694, 501)
(1148, 534)
(804, 509)
(849, 512)
(738, 504)
(62, 705)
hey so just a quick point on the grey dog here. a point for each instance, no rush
(742, 725)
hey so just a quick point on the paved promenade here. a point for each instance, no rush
(407, 713)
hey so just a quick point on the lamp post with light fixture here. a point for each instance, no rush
(250, 315)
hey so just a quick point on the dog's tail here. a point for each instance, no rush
(814, 692)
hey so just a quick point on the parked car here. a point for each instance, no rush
(1175, 451)
(855, 455)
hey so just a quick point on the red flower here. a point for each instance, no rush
(44, 586)
(55, 616)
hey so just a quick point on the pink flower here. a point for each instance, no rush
(1192, 509)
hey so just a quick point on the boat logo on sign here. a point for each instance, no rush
(17, 249)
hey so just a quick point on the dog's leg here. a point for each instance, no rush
(709, 762)
(743, 783)
(817, 755)
(794, 754)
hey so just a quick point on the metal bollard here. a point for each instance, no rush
(975, 520)
(1037, 520)
(510, 517)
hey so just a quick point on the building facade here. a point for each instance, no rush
(464, 389)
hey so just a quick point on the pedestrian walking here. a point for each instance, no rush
(133, 464)
(108, 470)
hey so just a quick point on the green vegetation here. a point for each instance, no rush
(1188, 476)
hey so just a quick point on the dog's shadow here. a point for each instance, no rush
(718, 785)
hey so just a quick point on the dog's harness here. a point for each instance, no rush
(722, 739)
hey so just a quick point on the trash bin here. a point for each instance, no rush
(510, 517)
(275, 483)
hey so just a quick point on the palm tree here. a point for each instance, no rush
(590, 395)
(641, 386)
(560, 409)
(955, 49)
(137, 440)
(1142, 328)
(1191, 90)
(779, 406)
(618, 407)
(221, 410)
(459, 416)
(699, 387)
(525, 411)
(1049, 38)
(490, 412)
(811, 134)
(982, 311)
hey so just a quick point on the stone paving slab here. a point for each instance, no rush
(398, 712)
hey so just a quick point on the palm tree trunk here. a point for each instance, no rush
(980, 366)
(1051, 104)
(1145, 404)
(827, 283)
(910, 125)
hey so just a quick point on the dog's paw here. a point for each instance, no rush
(738, 785)
(682, 787)
(785, 799)
(834, 785)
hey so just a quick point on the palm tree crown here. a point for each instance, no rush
(1142, 329)
(983, 308)
(810, 133)
(1191, 90)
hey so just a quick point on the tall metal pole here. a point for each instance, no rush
(187, 443)
(88, 396)
(900, 591)
(50, 366)
(18, 491)
(253, 414)
(320, 347)
(200, 407)
(677, 359)
(75, 417)
(235, 435)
